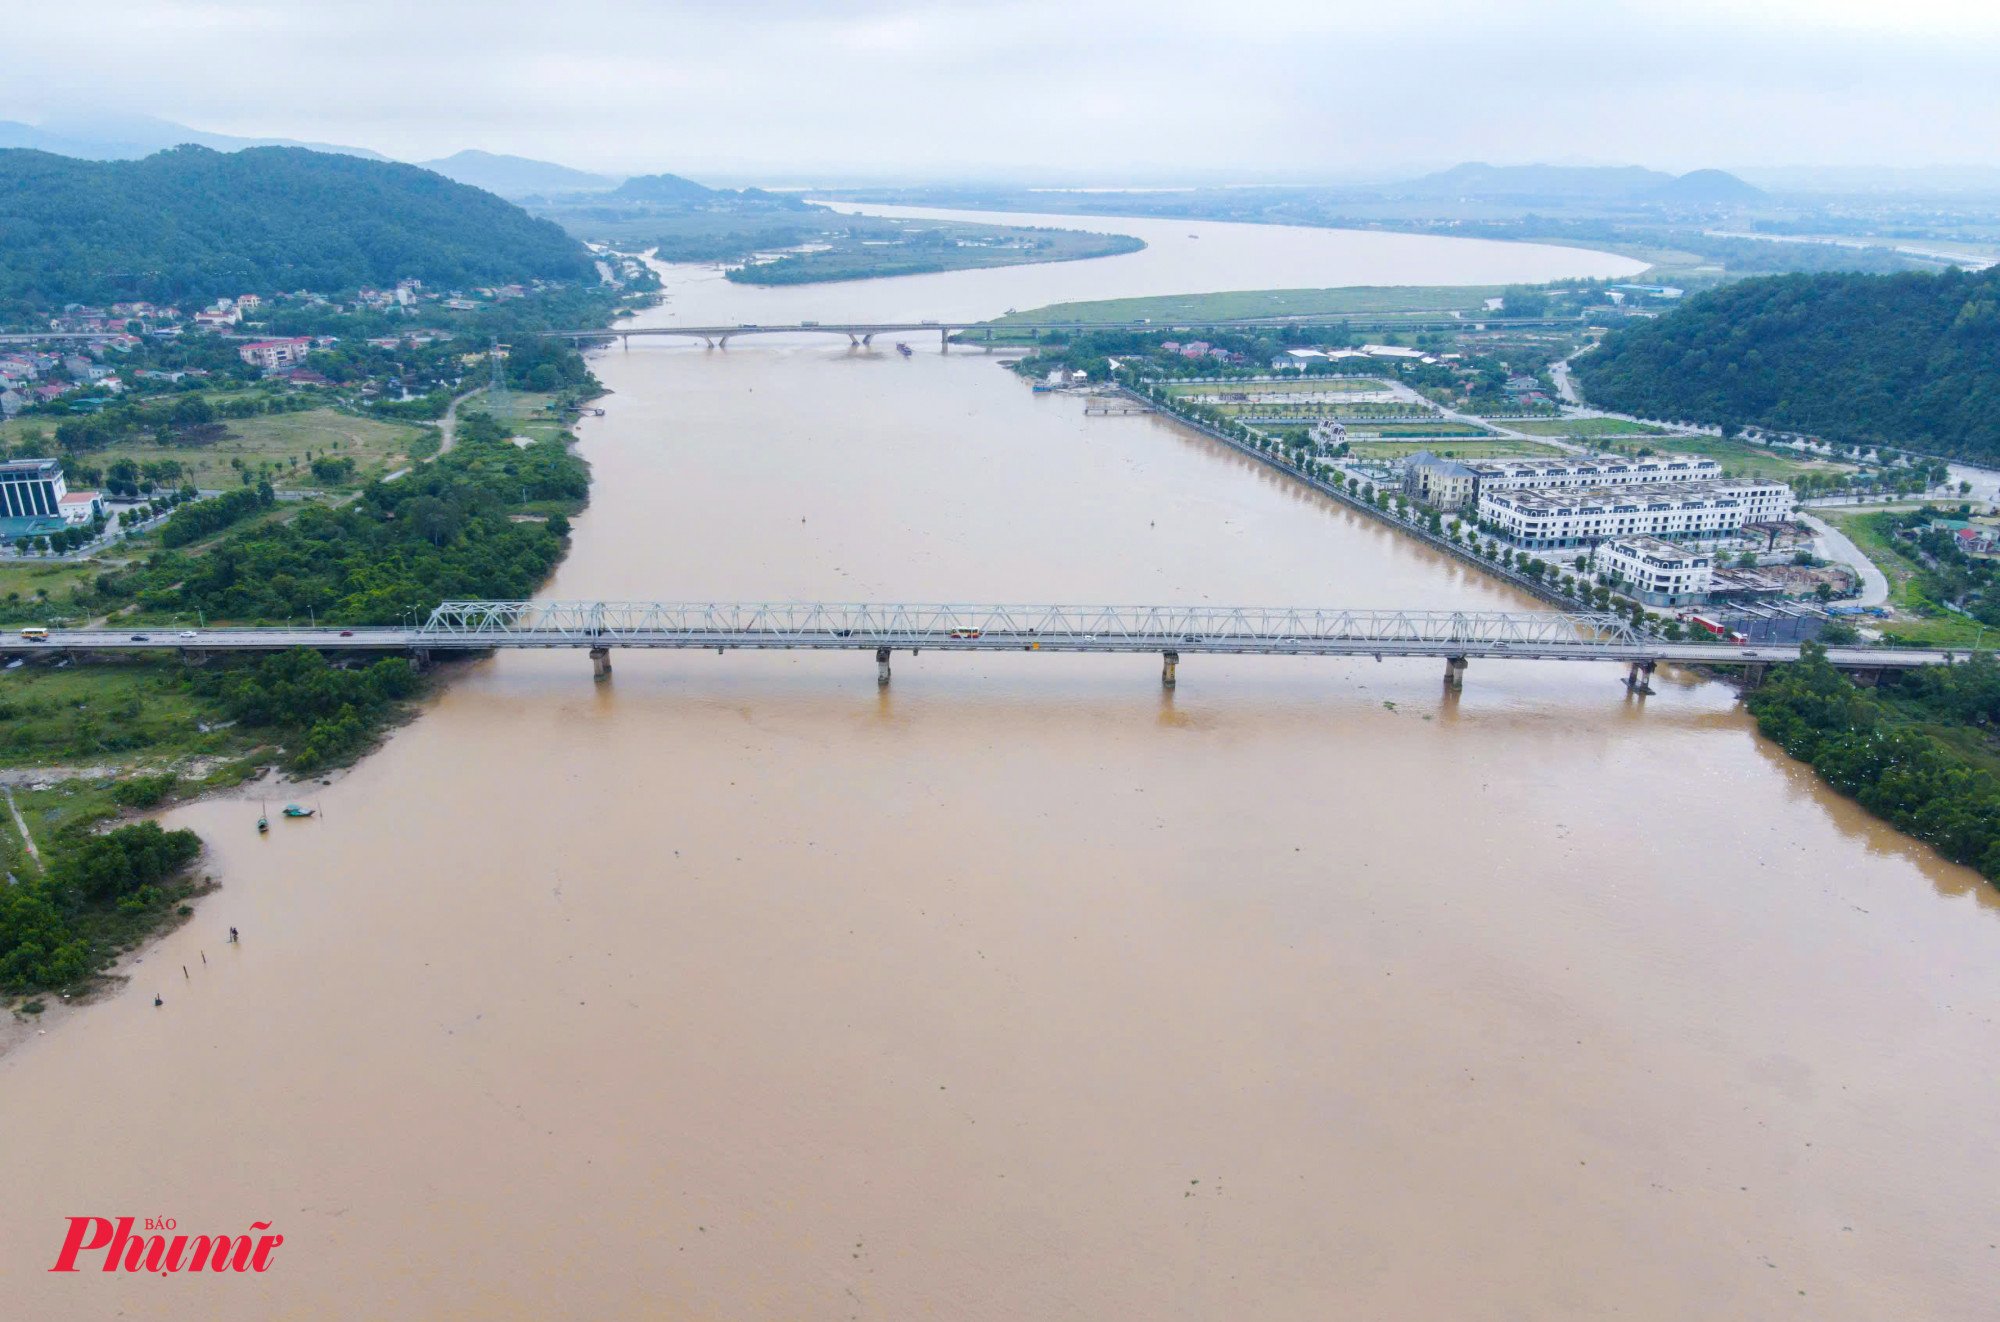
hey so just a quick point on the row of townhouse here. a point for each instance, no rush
(1450, 484)
(1657, 572)
(1539, 520)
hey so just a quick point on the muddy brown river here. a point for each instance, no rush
(737, 988)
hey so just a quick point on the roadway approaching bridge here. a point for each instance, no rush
(884, 627)
(864, 333)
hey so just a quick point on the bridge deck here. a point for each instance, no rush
(872, 328)
(478, 626)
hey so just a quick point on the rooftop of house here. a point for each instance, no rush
(1635, 497)
(1656, 551)
(1593, 464)
(1439, 464)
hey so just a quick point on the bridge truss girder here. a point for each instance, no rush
(1096, 628)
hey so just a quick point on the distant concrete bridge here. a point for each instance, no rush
(864, 333)
(598, 626)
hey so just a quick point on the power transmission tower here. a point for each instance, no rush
(497, 402)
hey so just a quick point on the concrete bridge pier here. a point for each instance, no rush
(944, 340)
(1454, 673)
(421, 659)
(868, 340)
(1639, 680)
(600, 663)
(1168, 660)
(882, 667)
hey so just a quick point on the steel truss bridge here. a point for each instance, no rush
(862, 332)
(884, 627)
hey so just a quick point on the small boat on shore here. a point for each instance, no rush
(902, 349)
(293, 810)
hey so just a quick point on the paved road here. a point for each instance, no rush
(1832, 544)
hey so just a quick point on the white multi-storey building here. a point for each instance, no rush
(1593, 470)
(32, 488)
(1679, 511)
(1656, 572)
(276, 355)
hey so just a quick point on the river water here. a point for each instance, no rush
(735, 987)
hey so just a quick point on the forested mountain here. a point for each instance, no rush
(517, 176)
(191, 223)
(111, 137)
(1909, 359)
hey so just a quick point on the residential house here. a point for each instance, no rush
(276, 355)
(80, 507)
(1443, 484)
(1656, 572)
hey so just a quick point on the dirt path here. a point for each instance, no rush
(21, 825)
(448, 424)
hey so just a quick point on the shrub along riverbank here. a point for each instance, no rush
(97, 894)
(1920, 753)
(487, 519)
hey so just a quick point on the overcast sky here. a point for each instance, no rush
(1057, 89)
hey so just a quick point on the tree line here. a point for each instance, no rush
(1882, 751)
(63, 924)
(1911, 360)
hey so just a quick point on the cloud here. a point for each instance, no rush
(1256, 88)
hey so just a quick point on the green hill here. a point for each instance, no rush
(1910, 360)
(194, 224)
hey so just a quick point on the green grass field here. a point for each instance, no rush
(278, 444)
(1423, 430)
(1332, 387)
(527, 414)
(25, 580)
(127, 713)
(1496, 447)
(1584, 428)
(1362, 300)
(1740, 457)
